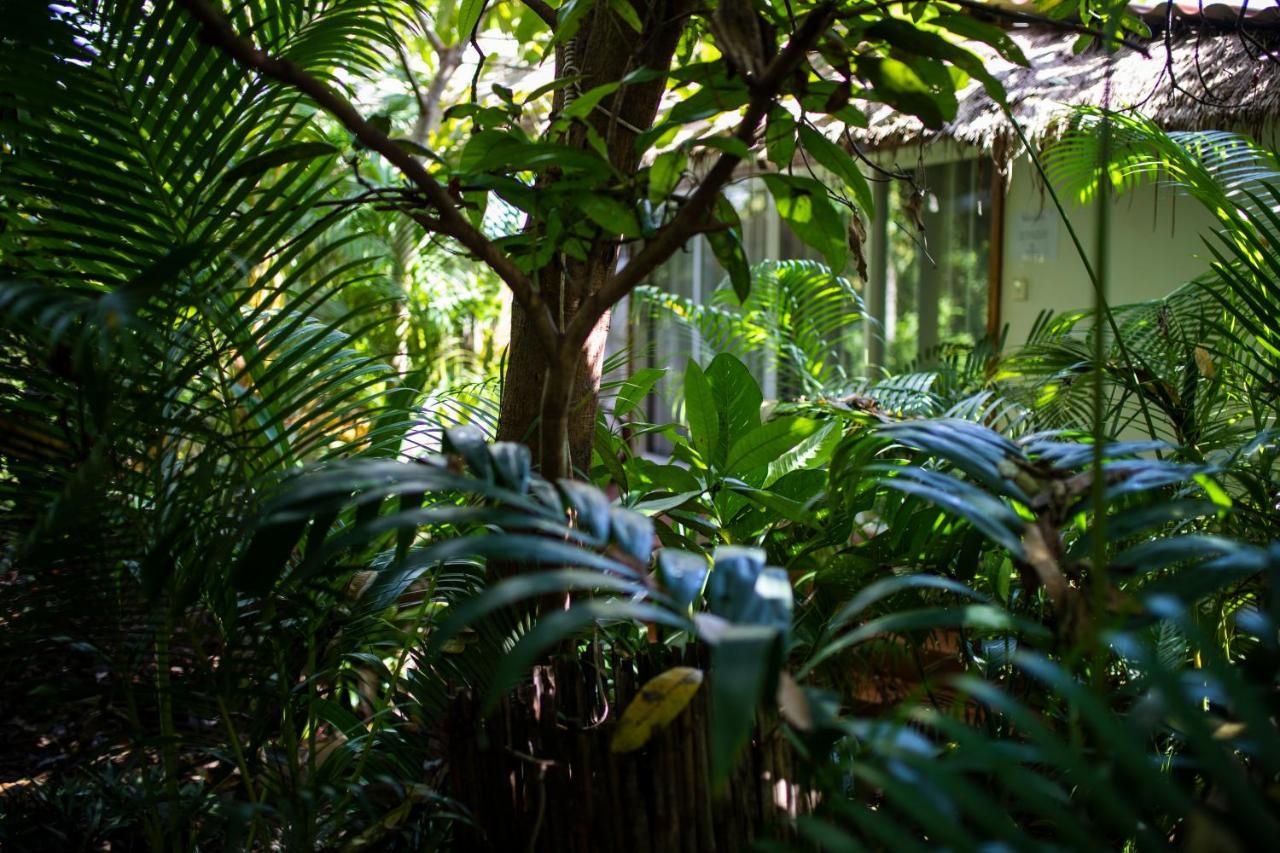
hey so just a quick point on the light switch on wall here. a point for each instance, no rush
(1018, 292)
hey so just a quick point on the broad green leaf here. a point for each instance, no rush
(481, 145)
(780, 138)
(509, 152)
(727, 247)
(1143, 520)
(655, 477)
(476, 205)
(469, 12)
(665, 503)
(642, 75)
(624, 10)
(569, 18)
(721, 142)
(767, 442)
(1214, 490)
(515, 548)
(924, 43)
(415, 149)
(812, 452)
(700, 411)
(470, 443)
(582, 106)
(657, 703)
(732, 583)
(881, 589)
(445, 12)
(780, 506)
(665, 174)
(589, 505)
(728, 251)
(793, 703)
(512, 463)
(261, 564)
(683, 575)
(771, 602)
(902, 87)
(988, 514)
(611, 215)
(632, 532)
(716, 96)
(838, 161)
(803, 205)
(969, 27)
(744, 671)
(738, 399)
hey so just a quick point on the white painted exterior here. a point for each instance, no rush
(1157, 243)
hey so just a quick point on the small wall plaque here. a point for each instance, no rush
(1034, 236)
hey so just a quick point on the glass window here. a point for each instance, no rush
(937, 279)
(930, 288)
(660, 339)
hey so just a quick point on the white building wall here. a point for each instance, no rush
(1157, 244)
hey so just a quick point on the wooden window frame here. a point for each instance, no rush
(995, 261)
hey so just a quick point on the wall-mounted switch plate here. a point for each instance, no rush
(1019, 291)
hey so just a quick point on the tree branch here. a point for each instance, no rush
(690, 220)
(544, 11)
(450, 222)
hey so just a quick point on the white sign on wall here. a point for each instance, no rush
(1034, 236)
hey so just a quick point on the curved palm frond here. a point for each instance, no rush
(1206, 359)
(177, 342)
(800, 317)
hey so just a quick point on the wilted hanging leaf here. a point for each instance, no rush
(659, 702)
(793, 705)
(858, 239)
(1204, 363)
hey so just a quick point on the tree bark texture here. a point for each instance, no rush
(525, 385)
(605, 50)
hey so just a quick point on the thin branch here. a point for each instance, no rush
(376, 195)
(426, 220)
(428, 31)
(690, 220)
(894, 174)
(451, 222)
(423, 105)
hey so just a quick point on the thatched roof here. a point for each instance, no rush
(1216, 78)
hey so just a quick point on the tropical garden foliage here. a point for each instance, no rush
(291, 548)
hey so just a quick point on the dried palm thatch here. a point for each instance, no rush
(1210, 79)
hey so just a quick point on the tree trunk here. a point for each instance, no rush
(605, 50)
(527, 396)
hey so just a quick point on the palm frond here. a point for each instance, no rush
(800, 317)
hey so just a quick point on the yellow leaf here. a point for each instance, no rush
(1229, 731)
(793, 704)
(1204, 362)
(657, 703)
